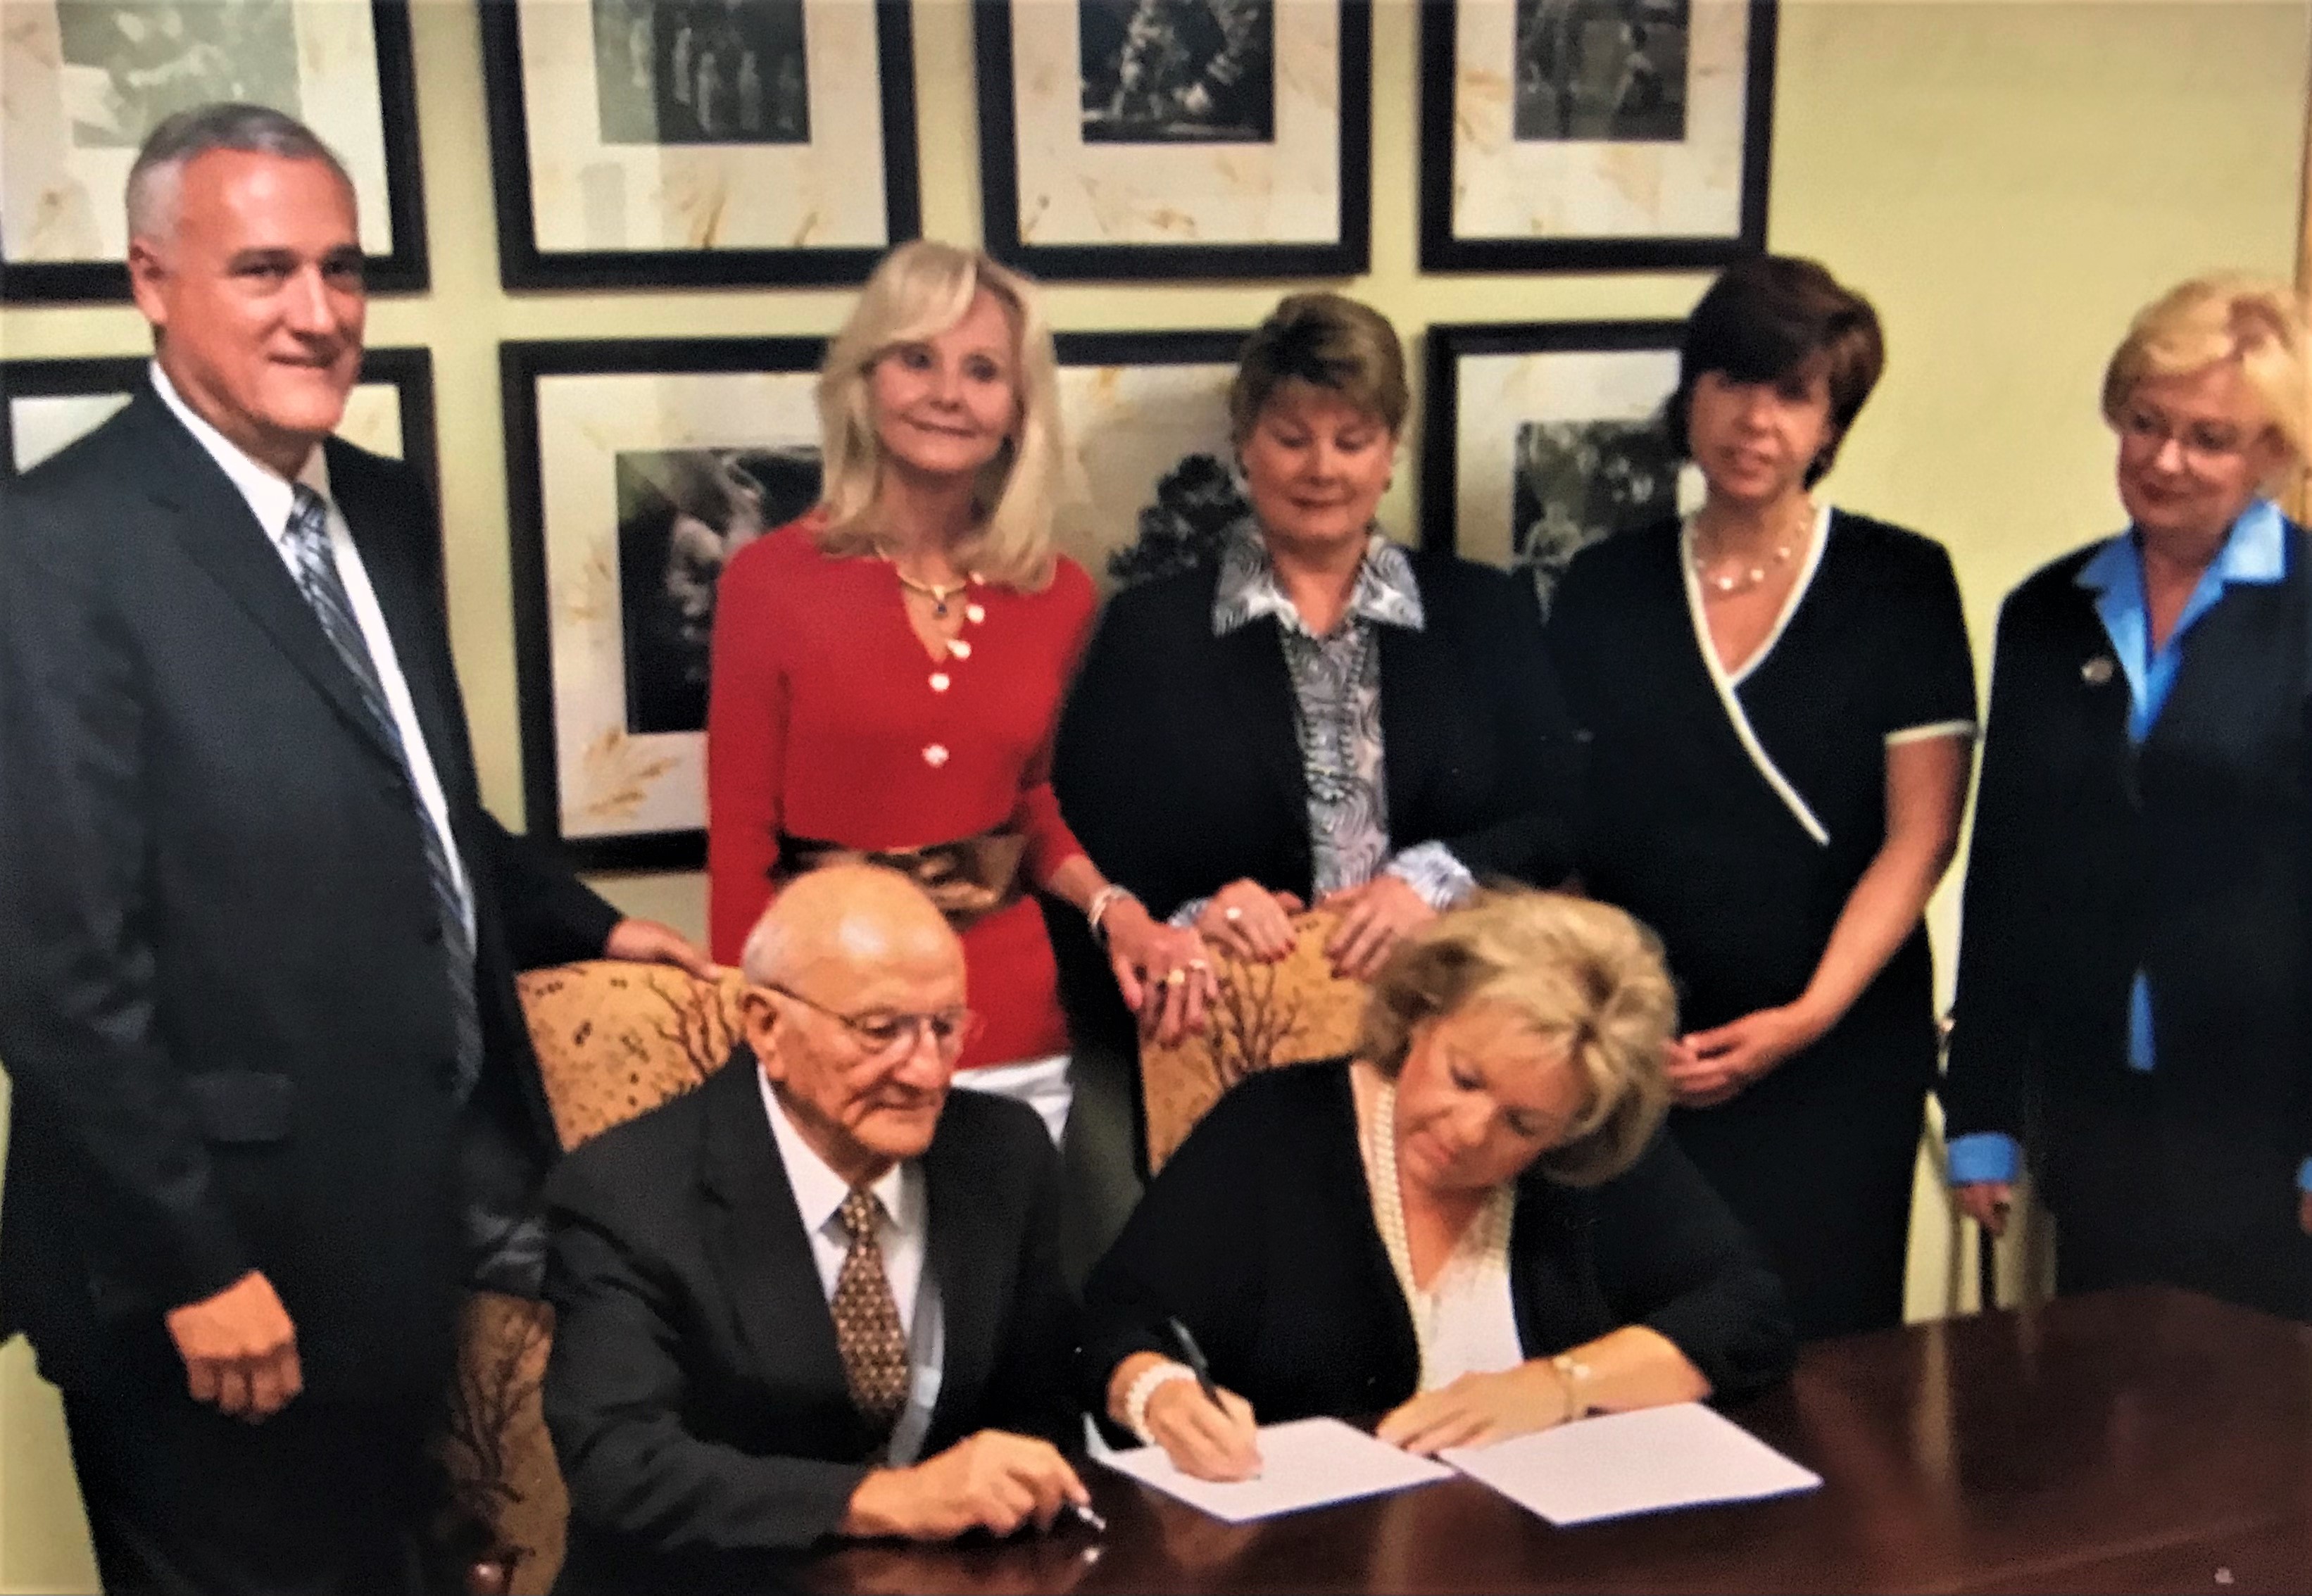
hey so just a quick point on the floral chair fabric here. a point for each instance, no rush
(1293, 1011)
(613, 1041)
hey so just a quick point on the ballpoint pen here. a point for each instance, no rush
(1194, 1356)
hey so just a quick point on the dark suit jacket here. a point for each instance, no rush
(695, 1395)
(1179, 766)
(1259, 1235)
(222, 992)
(2190, 859)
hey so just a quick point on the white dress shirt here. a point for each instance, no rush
(271, 498)
(903, 1229)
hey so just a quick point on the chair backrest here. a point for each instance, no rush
(613, 1040)
(1293, 1011)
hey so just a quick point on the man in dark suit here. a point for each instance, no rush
(272, 1099)
(820, 1295)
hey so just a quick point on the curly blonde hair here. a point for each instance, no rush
(1582, 977)
(2256, 323)
(919, 291)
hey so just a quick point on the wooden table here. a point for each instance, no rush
(2129, 1440)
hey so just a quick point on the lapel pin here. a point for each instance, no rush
(2096, 670)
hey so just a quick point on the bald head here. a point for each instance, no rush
(858, 914)
(856, 1014)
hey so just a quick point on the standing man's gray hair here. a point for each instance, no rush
(175, 140)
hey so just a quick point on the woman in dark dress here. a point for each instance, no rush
(1781, 701)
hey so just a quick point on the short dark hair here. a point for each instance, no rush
(1770, 318)
(1324, 340)
(223, 125)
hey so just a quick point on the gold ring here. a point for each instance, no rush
(1197, 964)
(1177, 976)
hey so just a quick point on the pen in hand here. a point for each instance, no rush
(1193, 1356)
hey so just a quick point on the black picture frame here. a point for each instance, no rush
(404, 271)
(1349, 254)
(523, 265)
(1443, 249)
(409, 370)
(523, 367)
(1642, 444)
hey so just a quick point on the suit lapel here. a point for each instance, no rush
(214, 523)
(1259, 688)
(412, 620)
(756, 1243)
(1416, 708)
(2242, 659)
(970, 1281)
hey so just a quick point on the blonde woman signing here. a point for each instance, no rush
(886, 671)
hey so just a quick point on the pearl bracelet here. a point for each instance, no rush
(1143, 1387)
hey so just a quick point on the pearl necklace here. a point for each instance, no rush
(1489, 1230)
(1743, 577)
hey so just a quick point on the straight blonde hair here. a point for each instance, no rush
(2253, 322)
(919, 291)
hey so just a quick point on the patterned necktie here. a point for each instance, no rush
(317, 578)
(867, 1318)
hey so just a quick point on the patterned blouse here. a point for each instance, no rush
(1337, 714)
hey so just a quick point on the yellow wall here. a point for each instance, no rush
(2009, 181)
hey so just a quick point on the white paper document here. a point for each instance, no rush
(1307, 1463)
(1623, 1463)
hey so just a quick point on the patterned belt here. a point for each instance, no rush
(968, 879)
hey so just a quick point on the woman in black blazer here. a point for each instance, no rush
(1472, 1228)
(2135, 972)
(1319, 716)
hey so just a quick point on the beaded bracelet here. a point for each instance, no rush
(1145, 1386)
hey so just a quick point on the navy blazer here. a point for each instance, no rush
(1259, 1235)
(222, 995)
(2189, 858)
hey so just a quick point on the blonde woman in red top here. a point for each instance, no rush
(887, 670)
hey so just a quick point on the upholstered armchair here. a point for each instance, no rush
(1293, 1011)
(613, 1040)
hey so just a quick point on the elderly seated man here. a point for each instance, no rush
(818, 1296)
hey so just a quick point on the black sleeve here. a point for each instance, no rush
(1033, 1391)
(551, 916)
(1928, 677)
(1671, 1256)
(1100, 772)
(613, 1396)
(2002, 930)
(1190, 1251)
(79, 1027)
(1541, 772)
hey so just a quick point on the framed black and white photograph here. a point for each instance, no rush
(1176, 138)
(634, 471)
(82, 82)
(684, 142)
(1544, 438)
(1154, 485)
(1594, 135)
(47, 404)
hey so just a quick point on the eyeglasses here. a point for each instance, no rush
(2203, 443)
(885, 1033)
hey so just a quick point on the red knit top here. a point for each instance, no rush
(828, 719)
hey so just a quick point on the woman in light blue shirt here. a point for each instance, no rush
(2135, 967)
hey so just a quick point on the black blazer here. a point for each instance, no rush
(2190, 859)
(1259, 1234)
(695, 1393)
(222, 1002)
(1178, 767)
